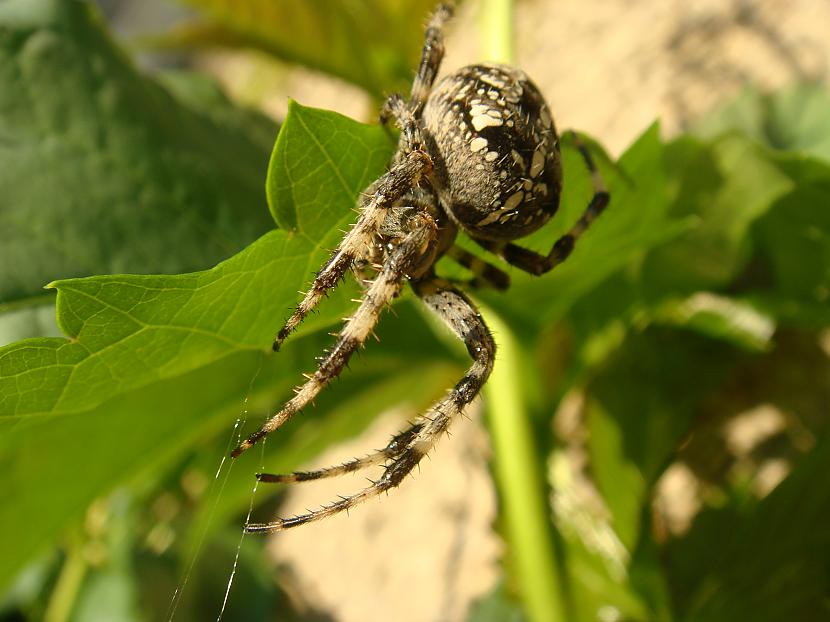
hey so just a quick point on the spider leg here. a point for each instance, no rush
(461, 316)
(388, 189)
(431, 56)
(411, 135)
(386, 286)
(485, 273)
(396, 447)
(533, 262)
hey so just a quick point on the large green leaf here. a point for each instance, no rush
(101, 169)
(129, 331)
(793, 241)
(53, 466)
(372, 43)
(152, 361)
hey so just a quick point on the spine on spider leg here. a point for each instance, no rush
(331, 365)
(405, 457)
(357, 328)
(396, 446)
(327, 278)
(404, 175)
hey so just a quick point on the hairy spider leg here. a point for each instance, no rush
(485, 273)
(533, 262)
(461, 316)
(379, 198)
(431, 56)
(411, 135)
(393, 449)
(407, 114)
(386, 286)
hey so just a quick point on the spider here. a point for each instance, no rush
(477, 153)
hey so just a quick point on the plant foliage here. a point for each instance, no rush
(700, 295)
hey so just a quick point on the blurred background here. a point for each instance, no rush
(608, 69)
(666, 402)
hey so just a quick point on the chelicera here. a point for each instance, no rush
(477, 153)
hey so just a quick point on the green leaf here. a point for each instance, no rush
(638, 409)
(724, 187)
(101, 169)
(163, 357)
(793, 241)
(129, 331)
(202, 94)
(73, 458)
(373, 44)
(315, 137)
(792, 119)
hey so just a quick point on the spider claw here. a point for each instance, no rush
(270, 478)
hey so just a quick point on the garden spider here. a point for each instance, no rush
(478, 153)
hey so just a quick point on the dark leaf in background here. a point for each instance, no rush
(792, 119)
(104, 171)
(762, 561)
(371, 44)
(723, 186)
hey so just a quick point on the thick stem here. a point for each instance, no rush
(497, 30)
(63, 597)
(521, 484)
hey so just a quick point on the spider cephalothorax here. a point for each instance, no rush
(479, 153)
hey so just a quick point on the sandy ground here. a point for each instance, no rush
(423, 552)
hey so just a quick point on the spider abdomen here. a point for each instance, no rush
(499, 172)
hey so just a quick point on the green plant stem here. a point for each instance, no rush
(71, 577)
(526, 510)
(497, 30)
